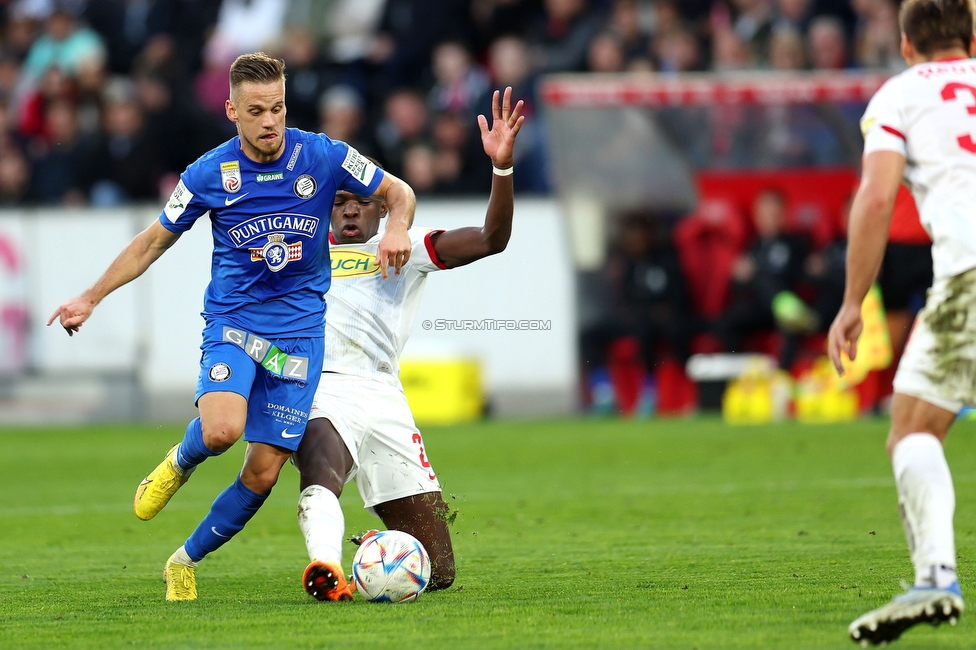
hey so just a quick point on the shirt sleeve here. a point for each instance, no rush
(883, 125)
(183, 208)
(423, 257)
(354, 172)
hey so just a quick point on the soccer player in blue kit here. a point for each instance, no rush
(269, 194)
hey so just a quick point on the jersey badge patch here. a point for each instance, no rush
(219, 372)
(359, 166)
(277, 253)
(178, 201)
(271, 176)
(230, 176)
(294, 156)
(305, 187)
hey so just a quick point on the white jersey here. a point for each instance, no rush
(928, 114)
(368, 319)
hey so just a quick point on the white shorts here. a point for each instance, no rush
(939, 363)
(375, 422)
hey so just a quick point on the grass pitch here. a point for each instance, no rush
(671, 534)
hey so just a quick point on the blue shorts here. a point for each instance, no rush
(277, 377)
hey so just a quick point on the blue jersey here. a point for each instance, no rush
(270, 224)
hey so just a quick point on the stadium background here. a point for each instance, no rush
(653, 126)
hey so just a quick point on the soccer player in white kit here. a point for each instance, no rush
(921, 126)
(360, 426)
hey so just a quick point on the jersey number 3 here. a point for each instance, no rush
(948, 94)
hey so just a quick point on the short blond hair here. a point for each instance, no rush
(256, 67)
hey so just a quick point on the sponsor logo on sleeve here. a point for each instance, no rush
(230, 176)
(305, 187)
(294, 156)
(178, 201)
(359, 167)
(867, 124)
(271, 176)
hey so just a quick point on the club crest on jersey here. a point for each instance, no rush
(230, 176)
(348, 263)
(277, 253)
(219, 372)
(305, 187)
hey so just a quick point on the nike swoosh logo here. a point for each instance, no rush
(214, 529)
(285, 434)
(230, 201)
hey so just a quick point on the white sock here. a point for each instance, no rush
(180, 557)
(320, 518)
(927, 502)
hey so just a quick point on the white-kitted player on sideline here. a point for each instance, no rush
(921, 125)
(360, 426)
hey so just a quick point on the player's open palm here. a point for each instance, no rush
(499, 140)
(844, 333)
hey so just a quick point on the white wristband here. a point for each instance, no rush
(502, 172)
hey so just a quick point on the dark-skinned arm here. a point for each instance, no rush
(465, 245)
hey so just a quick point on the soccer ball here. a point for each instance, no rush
(391, 567)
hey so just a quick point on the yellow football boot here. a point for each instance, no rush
(181, 582)
(157, 489)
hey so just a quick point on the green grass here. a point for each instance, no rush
(671, 534)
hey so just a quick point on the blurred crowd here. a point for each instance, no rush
(106, 101)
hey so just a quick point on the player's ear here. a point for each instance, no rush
(384, 209)
(907, 51)
(231, 111)
(972, 47)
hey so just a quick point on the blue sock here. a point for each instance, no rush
(192, 451)
(233, 508)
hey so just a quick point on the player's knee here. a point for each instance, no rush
(222, 434)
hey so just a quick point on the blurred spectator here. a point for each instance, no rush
(772, 265)
(648, 298)
(52, 86)
(14, 176)
(786, 50)
(876, 42)
(460, 164)
(753, 22)
(126, 25)
(792, 14)
(58, 157)
(560, 37)
(127, 162)
(342, 116)
(306, 81)
(212, 85)
(88, 85)
(494, 19)
(404, 124)
(626, 24)
(729, 52)
(408, 32)
(826, 272)
(420, 168)
(65, 44)
(678, 51)
(509, 65)
(827, 44)
(459, 82)
(249, 25)
(19, 32)
(606, 54)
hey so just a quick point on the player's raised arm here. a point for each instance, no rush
(132, 262)
(465, 245)
(394, 248)
(866, 239)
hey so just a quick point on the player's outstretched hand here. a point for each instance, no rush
(394, 250)
(843, 335)
(72, 313)
(505, 124)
